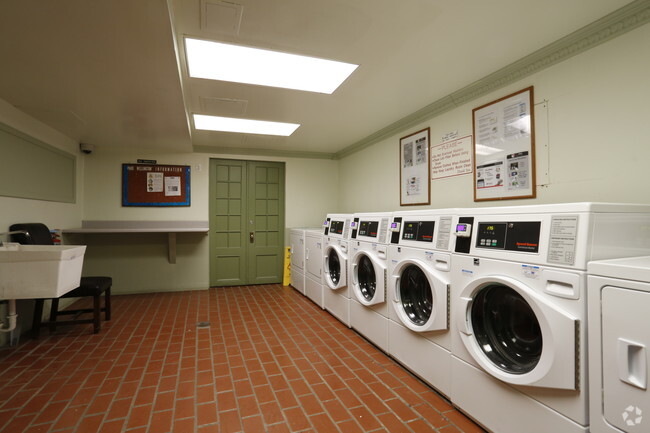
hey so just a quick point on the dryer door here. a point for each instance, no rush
(420, 296)
(368, 278)
(334, 267)
(517, 335)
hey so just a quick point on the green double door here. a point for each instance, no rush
(246, 222)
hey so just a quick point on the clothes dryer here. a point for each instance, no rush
(419, 266)
(314, 266)
(619, 302)
(368, 270)
(336, 293)
(519, 286)
(297, 244)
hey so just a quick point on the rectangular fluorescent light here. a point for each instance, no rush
(225, 62)
(246, 126)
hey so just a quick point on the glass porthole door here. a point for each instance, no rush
(506, 329)
(420, 296)
(517, 334)
(334, 268)
(368, 273)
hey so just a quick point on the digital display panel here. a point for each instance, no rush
(336, 227)
(420, 231)
(520, 236)
(368, 228)
(491, 235)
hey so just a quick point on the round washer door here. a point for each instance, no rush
(420, 296)
(517, 335)
(368, 278)
(334, 267)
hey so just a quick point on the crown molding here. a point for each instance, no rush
(262, 152)
(609, 27)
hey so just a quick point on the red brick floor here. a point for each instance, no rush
(270, 361)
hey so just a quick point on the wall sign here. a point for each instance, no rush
(504, 148)
(155, 185)
(451, 158)
(414, 166)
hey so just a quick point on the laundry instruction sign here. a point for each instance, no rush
(451, 158)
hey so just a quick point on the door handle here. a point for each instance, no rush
(252, 237)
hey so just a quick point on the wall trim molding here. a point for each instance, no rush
(262, 152)
(600, 31)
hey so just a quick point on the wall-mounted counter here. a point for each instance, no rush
(169, 227)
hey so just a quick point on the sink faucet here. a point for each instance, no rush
(15, 232)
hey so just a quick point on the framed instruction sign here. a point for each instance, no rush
(155, 185)
(504, 148)
(414, 166)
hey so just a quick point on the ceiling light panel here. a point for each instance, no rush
(246, 126)
(226, 62)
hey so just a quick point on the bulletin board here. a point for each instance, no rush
(155, 185)
(414, 169)
(504, 148)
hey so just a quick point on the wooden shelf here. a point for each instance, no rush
(169, 227)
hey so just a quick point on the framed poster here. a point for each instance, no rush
(504, 148)
(414, 166)
(155, 185)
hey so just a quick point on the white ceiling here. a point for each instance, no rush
(112, 72)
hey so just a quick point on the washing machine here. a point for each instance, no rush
(314, 266)
(519, 294)
(368, 270)
(419, 278)
(619, 303)
(336, 293)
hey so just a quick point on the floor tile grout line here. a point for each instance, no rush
(385, 354)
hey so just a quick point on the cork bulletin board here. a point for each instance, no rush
(155, 185)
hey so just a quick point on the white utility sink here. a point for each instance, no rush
(39, 271)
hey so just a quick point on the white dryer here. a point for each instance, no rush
(419, 277)
(519, 286)
(619, 303)
(368, 270)
(314, 265)
(297, 244)
(336, 294)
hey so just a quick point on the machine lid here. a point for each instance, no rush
(630, 268)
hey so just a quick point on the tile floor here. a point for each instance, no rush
(270, 361)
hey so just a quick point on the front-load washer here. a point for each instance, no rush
(519, 286)
(368, 270)
(619, 302)
(314, 266)
(419, 278)
(336, 293)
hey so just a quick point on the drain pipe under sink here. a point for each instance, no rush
(11, 316)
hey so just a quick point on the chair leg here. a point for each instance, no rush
(54, 310)
(97, 314)
(107, 304)
(38, 315)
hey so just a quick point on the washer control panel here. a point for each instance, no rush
(521, 236)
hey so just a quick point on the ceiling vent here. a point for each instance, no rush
(223, 106)
(221, 17)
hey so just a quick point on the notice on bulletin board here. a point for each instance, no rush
(451, 158)
(504, 148)
(155, 185)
